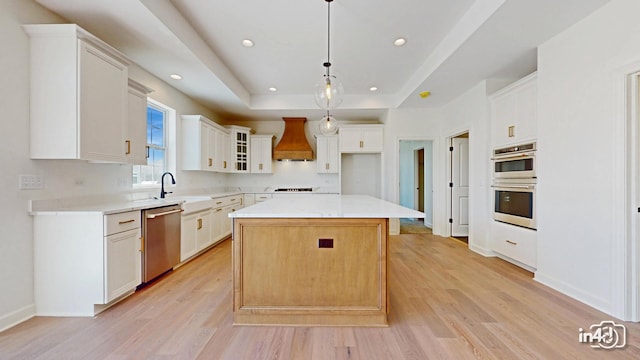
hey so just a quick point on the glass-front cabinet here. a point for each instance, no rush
(240, 148)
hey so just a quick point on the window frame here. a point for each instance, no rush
(169, 141)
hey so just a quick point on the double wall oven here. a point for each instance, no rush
(514, 185)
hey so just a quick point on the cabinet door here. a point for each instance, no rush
(212, 138)
(327, 154)
(123, 263)
(103, 106)
(217, 224)
(249, 199)
(221, 152)
(350, 139)
(527, 108)
(240, 150)
(261, 154)
(204, 230)
(136, 141)
(188, 236)
(504, 113)
(514, 113)
(372, 140)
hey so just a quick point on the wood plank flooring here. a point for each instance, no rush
(446, 303)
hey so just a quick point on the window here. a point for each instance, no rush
(158, 124)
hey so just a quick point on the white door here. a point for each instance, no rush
(460, 187)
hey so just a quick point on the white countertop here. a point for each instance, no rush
(117, 206)
(326, 206)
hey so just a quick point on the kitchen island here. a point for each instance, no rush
(313, 260)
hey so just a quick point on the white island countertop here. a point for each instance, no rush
(326, 206)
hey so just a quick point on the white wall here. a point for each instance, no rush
(581, 155)
(63, 178)
(414, 124)
(470, 112)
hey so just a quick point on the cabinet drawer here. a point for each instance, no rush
(227, 200)
(115, 223)
(514, 242)
(263, 197)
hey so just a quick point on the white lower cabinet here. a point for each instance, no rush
(84, 261)
(123, 263)
(221, 220)
(515, 243)
(195, 233)
(208, 225)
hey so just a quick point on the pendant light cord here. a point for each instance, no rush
(328, 63)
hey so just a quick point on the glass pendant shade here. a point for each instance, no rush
(329, 92)
(328, 125)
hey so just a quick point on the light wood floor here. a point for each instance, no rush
(446, 302)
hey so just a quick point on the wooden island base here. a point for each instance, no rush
(310, 271)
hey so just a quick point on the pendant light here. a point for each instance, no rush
(328, 124)
(328, 91)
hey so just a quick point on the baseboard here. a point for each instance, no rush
(577, 294)
(14, 318)
(482, 251)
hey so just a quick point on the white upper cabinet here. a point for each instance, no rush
(261, 153)
(205, 144)
(327, 154)
(136, 140)
(365, 138)
(239, 150)
(514, 112)
(79, 94)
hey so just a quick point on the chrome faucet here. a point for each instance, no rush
(162, 192)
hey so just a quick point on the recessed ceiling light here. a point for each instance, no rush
(373, 88)
(247, 43)
(273, 89)
(175, 77)
(399, 41)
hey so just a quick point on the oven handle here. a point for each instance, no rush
(509, 186)
(153, 216)
(514, 156)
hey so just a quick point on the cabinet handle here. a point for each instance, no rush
(225, 164)
(218, 209)
(126, 221)
(128, 142)
(361, 144)
(147, 151)
(218, 202)
(326, 166)
(511, 242)
(141, 243)
(210, 161)
(199, 224)
(260, 167)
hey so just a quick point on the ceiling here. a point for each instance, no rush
(451, 46)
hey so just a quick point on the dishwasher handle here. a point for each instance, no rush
(153, 216)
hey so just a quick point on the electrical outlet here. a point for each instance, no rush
(30, 182)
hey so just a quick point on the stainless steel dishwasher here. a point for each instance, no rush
(161, 239)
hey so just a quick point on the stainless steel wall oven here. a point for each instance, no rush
(515, 202)
(515, 162)
(514, 185)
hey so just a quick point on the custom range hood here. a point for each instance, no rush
(293, 145)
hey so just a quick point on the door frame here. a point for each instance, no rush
(447, 176)
(629, 252)
(434, 143)
(416, 178)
